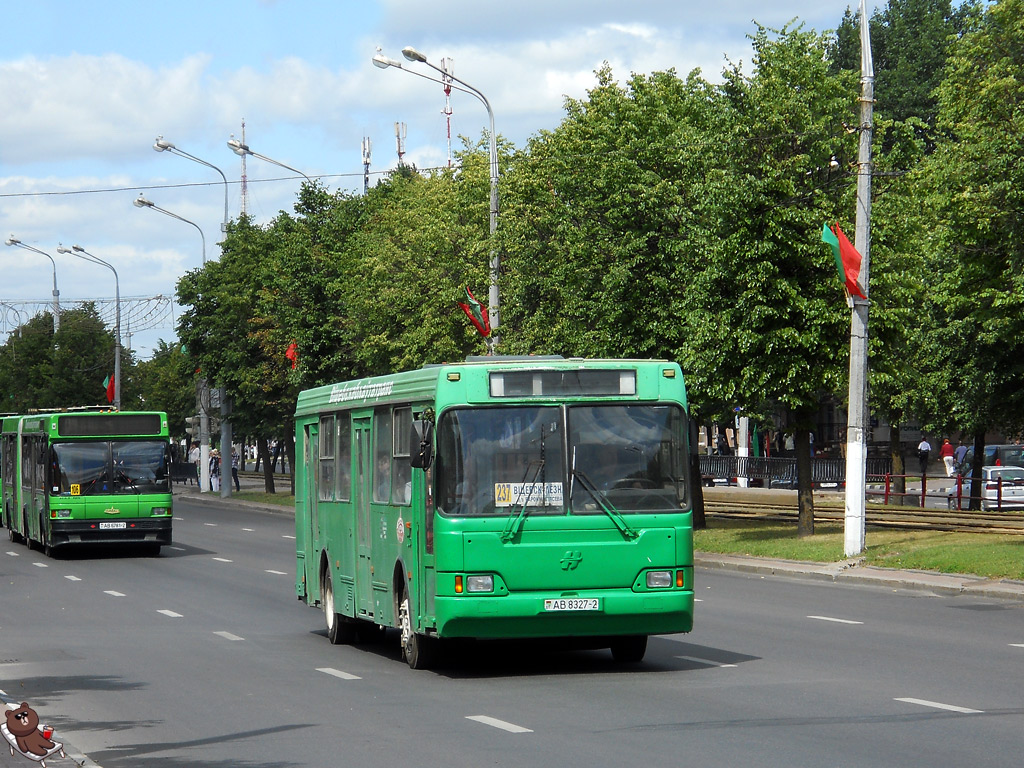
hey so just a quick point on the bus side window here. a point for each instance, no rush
(382, 455)
(401, 491)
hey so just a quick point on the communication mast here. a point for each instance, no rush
(400, 134)
(367, 146)
(449, 70)
(245, 186)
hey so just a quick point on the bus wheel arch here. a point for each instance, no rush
(419, 651)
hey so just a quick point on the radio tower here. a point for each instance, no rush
(367, 146)
(400, 133)
(446, 65)
(245, 186)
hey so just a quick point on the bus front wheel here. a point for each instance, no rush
(629, 650)
(340, 631)
(417, 649)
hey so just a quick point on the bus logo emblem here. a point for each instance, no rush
(112, 511)
(571, 560)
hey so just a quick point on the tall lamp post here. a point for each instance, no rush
(80, 252)
(12, 240)
(204, 416)
(241, 150)
(162, 145)
(410, 53)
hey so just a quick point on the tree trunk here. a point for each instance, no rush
(804, 493)
(263, 456)
(290, 451)
(899, 476)
(697, 493)
(976, 464)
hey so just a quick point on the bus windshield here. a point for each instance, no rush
(573, 459)
(109, 467)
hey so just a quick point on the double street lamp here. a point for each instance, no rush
(80, 252)
(410, 53)
(12, 240)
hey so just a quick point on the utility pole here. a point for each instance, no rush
(857, 416)
(367, 149)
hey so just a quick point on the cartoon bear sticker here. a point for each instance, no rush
(22, 731)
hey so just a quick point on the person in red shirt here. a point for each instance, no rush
(946, 452)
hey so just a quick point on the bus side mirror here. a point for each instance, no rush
(422, 441)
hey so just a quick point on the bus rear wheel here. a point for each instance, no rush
(418, 650)
(629, 650)
(340, 631)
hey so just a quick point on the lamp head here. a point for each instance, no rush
(161, 144)
(78, 248)
(141, 202)
(62, 249)
(413, 55)
(238, 147)
(12, 241)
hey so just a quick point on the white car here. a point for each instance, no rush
(1002, 488)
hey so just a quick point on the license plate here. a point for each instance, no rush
(573, 604)
(113, 526)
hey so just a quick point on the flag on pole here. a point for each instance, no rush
(110, 387)
(847, 258)
(477, 313)
(292, 353)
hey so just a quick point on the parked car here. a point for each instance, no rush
(1007, 455)
(1002, 488)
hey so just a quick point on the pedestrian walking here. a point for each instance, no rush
(235, 459)
(215, 470)
(194, 458)
(924, 448)
(946, 452)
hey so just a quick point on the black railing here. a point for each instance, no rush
(780, 471)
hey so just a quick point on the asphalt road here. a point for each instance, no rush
(203, 656)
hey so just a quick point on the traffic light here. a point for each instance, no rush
(192, 426)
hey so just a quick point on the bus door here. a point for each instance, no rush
(311, 450)
(362, 431)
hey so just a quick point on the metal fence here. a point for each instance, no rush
(780, 471)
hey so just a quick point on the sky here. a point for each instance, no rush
(86, 89)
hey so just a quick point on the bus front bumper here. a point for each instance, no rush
(519, 615)
(144, 530)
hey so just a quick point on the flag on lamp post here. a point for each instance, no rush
(477, 313)
(109, 386)
(847, 258)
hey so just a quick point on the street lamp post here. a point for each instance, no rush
(204, 398)
(412, 54)
(12, 240)
(142, 202)
(162, 145)
(241, 150)
(80, 252)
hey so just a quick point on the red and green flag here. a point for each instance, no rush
(477, 313)
(847, 258)
(109, 386)
(292, 353)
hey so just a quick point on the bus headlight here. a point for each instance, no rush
(479, 583)
(156, 511)
(60, 514)
(659, 579)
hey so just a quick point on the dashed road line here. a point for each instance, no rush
(40, 565)
(706, 661)
(1017, 645)
(496, 723)
(172, 614)
(940, 705)
(72, 578)
(338, 673)
(176, 549)
(211, 525)
(223, 560)
(113, 593)
(835, 620)
(13, 554)
(228, 636)
(276, 573)
(250, 530)
(286, 536)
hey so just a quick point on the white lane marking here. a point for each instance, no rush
(72, 578)
(113, 593)
(13, 554)
(250, 530)
(178, 549)
(706, 661)
(277, 573)
(1017, 645)
(286, 536)
(40, 565)
(496, 723)
(212, 525)
(698, 600)
(228, 636)
(835, 620)
(338, 673)
(223, 560)
(940, 705)
(172, 614)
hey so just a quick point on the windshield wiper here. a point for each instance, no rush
(515, 519)
(602, 501)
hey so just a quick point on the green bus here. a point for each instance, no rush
(498, 498)
(86, 477)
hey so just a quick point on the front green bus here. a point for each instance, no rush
(107, 480)
(562, 503)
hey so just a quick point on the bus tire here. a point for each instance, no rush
(629, 650)
(44, 539)
(12, 534)
(418, 650)
(340, 631)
